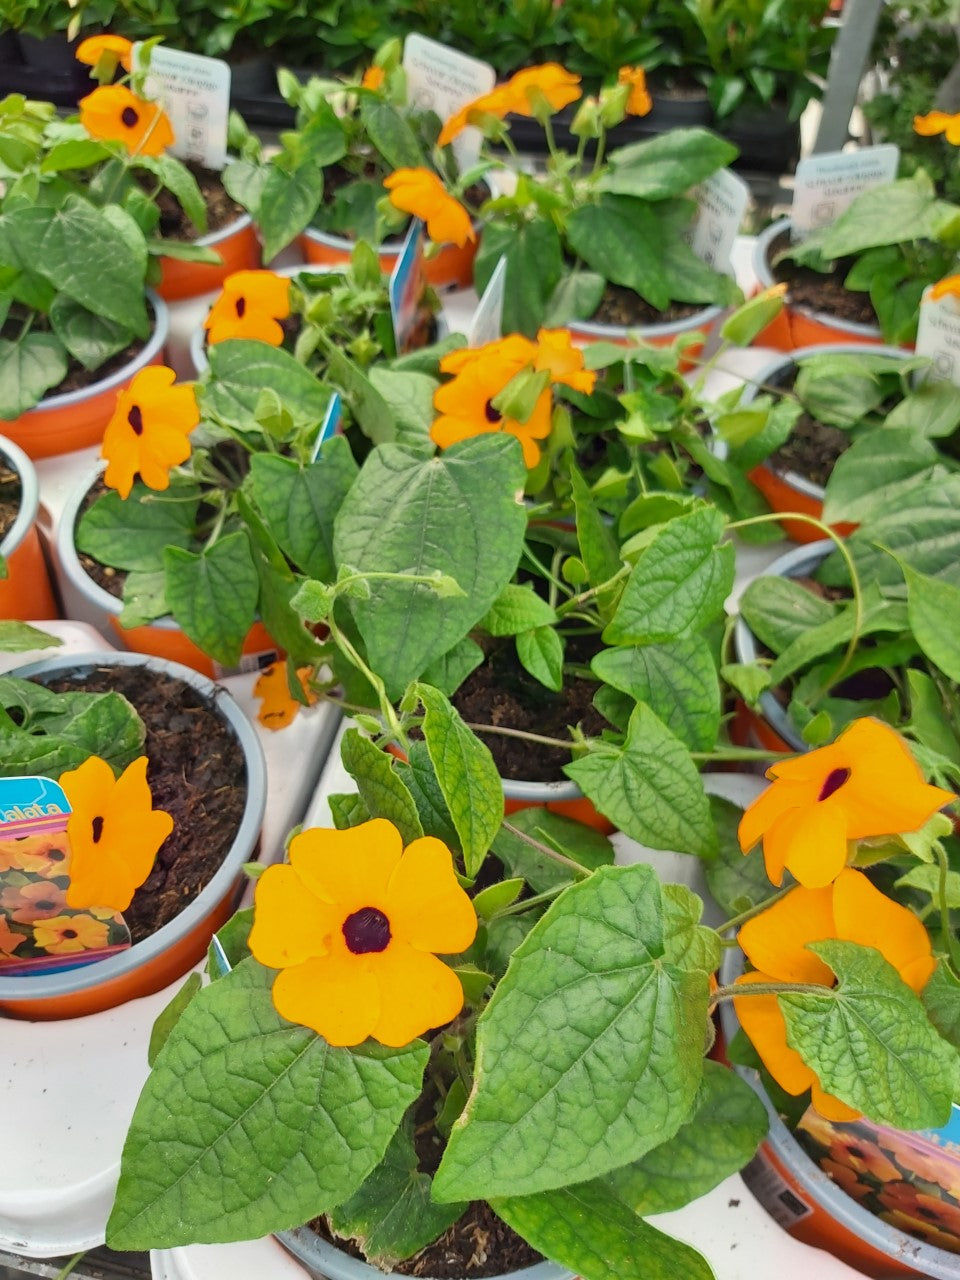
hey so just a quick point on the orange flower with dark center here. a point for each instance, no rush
(91, 50)
(65, 935)
(148, 431)
(9, 938)
(422, 193)
(776, 944)
(114, 113)
(846, 1179)
(864, 1157)
(935, 122)
(115, 833)
(639, 103)
(355, 923)
(923, 1208)
(41, 855)
(251, 305)
(373, 78)
(38, 900)
(278, 708)
(866, 784)
(465, 403)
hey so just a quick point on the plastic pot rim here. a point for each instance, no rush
(29, 496)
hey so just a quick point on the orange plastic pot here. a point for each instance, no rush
(699, 325)
(155, 962)
(450, 267)
(76, 419)
(798, 326)
(239, 250)
(25, 592)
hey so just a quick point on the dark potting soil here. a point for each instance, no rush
(478, 1244)
(222, 209)
(622, 306)
(197, 774)
(812, 449)
(501, 693)
(9, 496)
(77, 376)
(819, 291)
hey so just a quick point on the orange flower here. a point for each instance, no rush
(935, 122)
(564, 362)
(65, 935)
(115, 833)
(355, 922)
(866, 784)
(9, 938)
(465, 404)
(948, 285)
(776, 943)
(558, 86)
(927, 1210)
(372, 78)
(148, 431)
(91, 50)
(41, 855)
(922, 1158)
(863, 1157)
(498, 102)
(639, 102)
(846, 1179)
(421, 192)
(38, 900)
(279, 708)
(251, 306)
(113, 113)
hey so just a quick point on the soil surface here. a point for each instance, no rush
(77, 376)
(812, 450)
(819, 291)
(501, 693)
(221, 208)
(9, 497)
(197, 773)
(477, 1245)
(624, 307)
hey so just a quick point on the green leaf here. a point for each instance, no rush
(599, 550)
(678, 681)
(843, 389)
(599, 1237)
(391, 134)
(288, 201)
(736, 880)
(880, 462)
(649, 787)
(941, 999)
(347, 811)
(170, 1016)
(132, 533)
(466, 775)
(723, 1133)
(879, 615)
(391, 1215)
(930, 721)
(56, 731)
(383, 792)
(450, 670)
(29, 367)
(666, 165)
(181, 184)
(240, 369)
(573, 839)
(891, 214)
(213, 594)
(625, 1029)
(534, 269)
(398, 518)
(20, 637)
(576, 297)
(76, 153)
(144, 598)
(541, 654)
(409, 397)
(233, 939)
(932, 410)
(421, 780)
(778, 611)
(89, 338)
(927, 879)
(621, 239)
(930, 602)
(249, 1124)
(679, 583)
(870, 1043)
(517, 608)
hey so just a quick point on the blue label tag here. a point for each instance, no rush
(406, 285)
(330, 425)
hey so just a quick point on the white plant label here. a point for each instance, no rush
(488, 318)
(195, 92)
(938, 337)
(443, 80)
(722, 201)
(826, 185)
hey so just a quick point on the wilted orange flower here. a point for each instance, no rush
(148, 431)
(9, 938)
(91, 50)
(639, 102)
(776, 944)
(251, 305)
(355, 922)
(866, 784)
(422, 193)
(37, 900)
(372, 78)
(935, 122)
(65, 935)
(115, 833)
(278, 708)
(114, 113)
(557, 355)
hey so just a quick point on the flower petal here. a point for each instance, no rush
(770, 805)
(425, 904)
(290, 924)
(863, 914)
(334, 995)
(885, 793)
(348, 868)
(417, 992)
(812, 843)
(776, 940)
(763, 1023)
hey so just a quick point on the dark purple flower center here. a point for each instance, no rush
(833, 782)
(129, 117)
(491, 412)
(135, 418)
(97, 825)
(45, 904)
(366, 930)
(241, 306)
(56, 855)
(70, 933)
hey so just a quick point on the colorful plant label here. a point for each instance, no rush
(195, 92)
(39, 932)
(938, 336)
(443, 80)
(330, 424)
(406, 286)
(826, 185)
(722, 201)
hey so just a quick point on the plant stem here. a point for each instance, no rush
(750, 912)
(547, 851)
(949, 941)
(386, 706)
(736, 990)
(537, 900)
(67, 1270)
(594, 591)
(742, 753)
(566, 744)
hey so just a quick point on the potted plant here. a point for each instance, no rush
(24, 582)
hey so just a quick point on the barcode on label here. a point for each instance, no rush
(775, 1193)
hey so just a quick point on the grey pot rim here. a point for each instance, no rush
(897, 1245)
(325, 1260)
(705, 318)
(153, 347)
(763, 272)
(49, 986)
(792, 564)
(29, 496)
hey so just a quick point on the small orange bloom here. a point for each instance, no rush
(866, 784)
(278, 708)
(498, 102)
(928, 1210)
(355, 922)
(422, 193)
(558, 86)
(41, 855)
(38, 900)
(864, 1157)
(148, 431)
(948, 285)
(91, 50)
(372, 78)
(776, 944)
(251, 305)
(935, 122)
(846, 1179)
(639, 102)
(114, 113)
(557, 355)
(65, 935)
(9, 938)
(115, 833)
